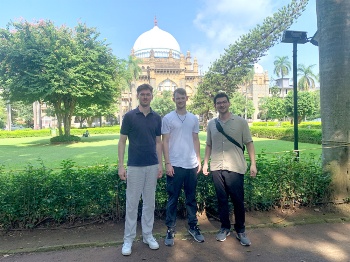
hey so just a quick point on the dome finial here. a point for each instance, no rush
(155, 21)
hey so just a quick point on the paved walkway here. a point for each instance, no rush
(323, 240)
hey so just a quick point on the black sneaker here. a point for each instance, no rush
(196, 233)
(169, 238)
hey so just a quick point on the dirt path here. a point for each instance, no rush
(314, 234)
(312, 242)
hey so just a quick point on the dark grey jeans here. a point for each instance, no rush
(188, 178)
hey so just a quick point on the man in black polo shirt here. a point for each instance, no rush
(142, 126)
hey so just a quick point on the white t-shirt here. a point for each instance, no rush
(180, 130)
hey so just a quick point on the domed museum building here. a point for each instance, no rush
(163, 66)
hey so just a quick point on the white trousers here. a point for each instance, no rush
(140, 181)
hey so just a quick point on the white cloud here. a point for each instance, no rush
(224, 21)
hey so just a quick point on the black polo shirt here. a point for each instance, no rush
(142, 132)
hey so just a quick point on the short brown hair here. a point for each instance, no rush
(144, 87)
(180, 90)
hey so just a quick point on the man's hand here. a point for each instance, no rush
(122, 173)
(253, 170)
(169, 169)
(205, 169)
(160, 171)
(199, 167)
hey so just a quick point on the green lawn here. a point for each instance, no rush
(16, 153)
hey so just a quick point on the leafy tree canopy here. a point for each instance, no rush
(241, 106)
(307, 106)
(60, 66)
(238, 59)
(163, 104)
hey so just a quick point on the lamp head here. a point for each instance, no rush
(299, 37)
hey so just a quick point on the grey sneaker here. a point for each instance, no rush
(196, 233)
(222, 234)
(243, 239)
(169, 238)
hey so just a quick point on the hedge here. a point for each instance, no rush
(308, 125)
(313, 136)
(54, 132)
(41, 196)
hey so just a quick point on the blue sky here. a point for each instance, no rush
(204, 27)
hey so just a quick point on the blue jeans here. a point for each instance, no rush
(188, 178)
(230, 184)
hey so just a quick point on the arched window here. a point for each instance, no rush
(167, 85)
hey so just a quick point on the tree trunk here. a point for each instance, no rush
(334, 50)
(59, 115)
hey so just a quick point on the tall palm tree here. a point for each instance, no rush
(282, 66)
(307, 78)
(334, 49)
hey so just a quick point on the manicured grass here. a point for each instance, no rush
(17, 153)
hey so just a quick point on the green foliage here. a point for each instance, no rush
(240, 105)
(267, 123)
(25, 133)
(308, 125)
(306, 105)
(62, 67)
(3, 114)
(307, 78)
(272, 108)
(311, 125)
(228, 71)
(282, 66)
(22, 113)
(312, 136)
(282, 181)
(48, 132)
(64, 139)
(39, 195)
(164, 104)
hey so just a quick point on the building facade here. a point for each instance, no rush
(163, 66)
(257, 88)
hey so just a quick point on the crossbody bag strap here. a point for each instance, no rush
(231, 139)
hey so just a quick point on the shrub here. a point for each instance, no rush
(48, 132)
(35, 196)
(65, 139)
(313, 136)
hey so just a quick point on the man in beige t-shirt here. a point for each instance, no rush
(228, 166)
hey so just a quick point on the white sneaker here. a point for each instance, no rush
(151, 242)
(126, 250)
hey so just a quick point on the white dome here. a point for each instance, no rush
(159, 40)
(258, 69)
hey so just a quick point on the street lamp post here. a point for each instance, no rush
(295, 37)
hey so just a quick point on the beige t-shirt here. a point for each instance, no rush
(224, 154)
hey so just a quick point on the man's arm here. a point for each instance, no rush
(159, 155)
(121, 152)
(197, 149)
(206, 159)
(251, 153)
(168, 167)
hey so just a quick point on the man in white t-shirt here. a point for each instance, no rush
(181, 150)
